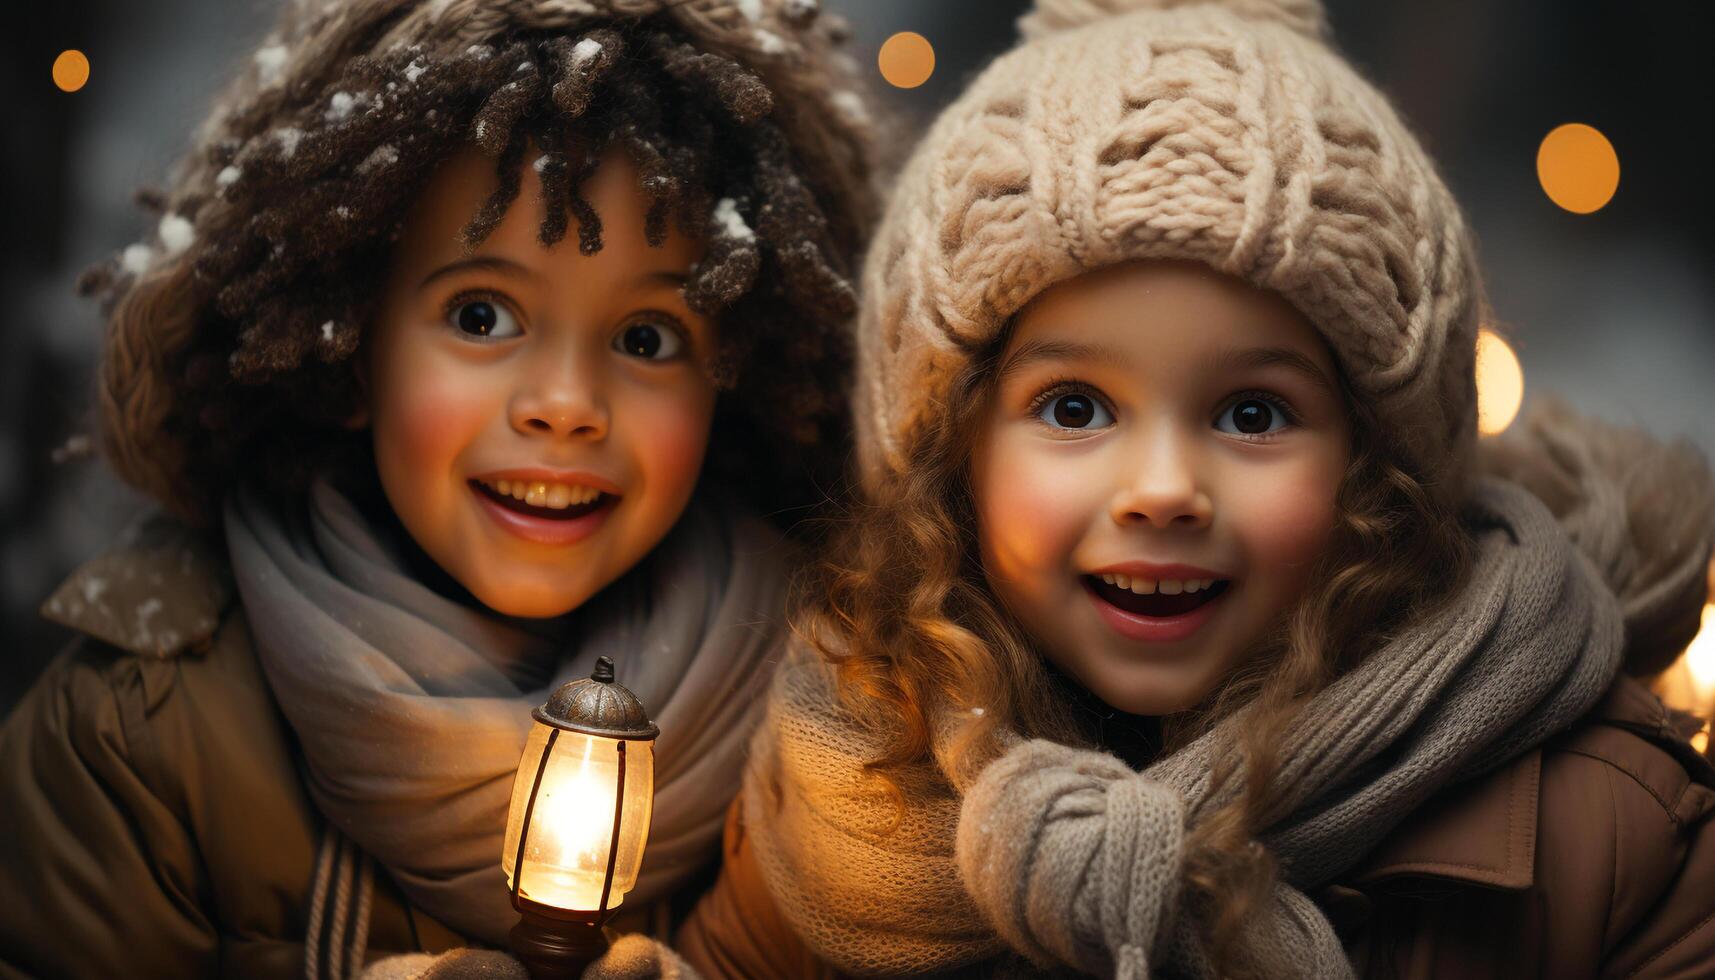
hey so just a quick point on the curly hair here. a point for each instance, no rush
(231, 343)
(902, 608)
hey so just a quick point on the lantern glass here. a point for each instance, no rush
(572, 824)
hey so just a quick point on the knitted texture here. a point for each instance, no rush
(1070, 858)
(1225, 133)
(1066, 856)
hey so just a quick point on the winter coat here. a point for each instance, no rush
(155, 821)
(1592, 856)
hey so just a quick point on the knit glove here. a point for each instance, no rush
(631, 957)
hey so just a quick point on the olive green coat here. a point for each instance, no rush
(155, 823)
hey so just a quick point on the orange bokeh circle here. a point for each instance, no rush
(71, 70)
(1578, 168)
(907, 59)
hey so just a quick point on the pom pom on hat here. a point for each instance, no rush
(1051, 16)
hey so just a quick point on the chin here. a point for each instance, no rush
(1150, 698)
(528, 603)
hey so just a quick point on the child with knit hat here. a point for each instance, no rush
(475, 338)
(1183, 627)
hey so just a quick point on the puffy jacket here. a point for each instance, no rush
(155, 821)
(1590, 857)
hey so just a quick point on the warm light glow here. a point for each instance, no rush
(1500, 383)
(1578, 168)
(71, 70)
(907, 59)
(1700, 659)
(571, 828)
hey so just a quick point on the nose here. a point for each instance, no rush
(561, 398)
(1163, 488)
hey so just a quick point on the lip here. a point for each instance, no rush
(1144, 569)
(543, 530)
(538, 474)
(1156, 629)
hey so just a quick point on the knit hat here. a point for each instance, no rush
(1223, 131)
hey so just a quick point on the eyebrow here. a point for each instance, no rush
(494, 263)
(1286, 357)
(663, 277)
(1057, 350)
(483, 263)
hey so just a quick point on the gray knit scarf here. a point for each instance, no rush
(408, 705)
(1070, 858)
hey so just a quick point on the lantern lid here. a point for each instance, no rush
(595, 705)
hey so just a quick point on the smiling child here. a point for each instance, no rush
(478, 340)
(1184, 627)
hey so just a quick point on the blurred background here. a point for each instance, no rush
(1606, 297)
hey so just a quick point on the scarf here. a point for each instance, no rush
(411, 708)
(1072, 859)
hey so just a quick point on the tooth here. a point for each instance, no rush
(1193, 584)
(589, 495)
(558, 497)
(1208, 583)
(1108, 577)
(519, 489)
(1170, 586)
(503, 486)
(537, 495)
(1123, 581)
(1143, 586)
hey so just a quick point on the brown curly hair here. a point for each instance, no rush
(229, 354)
(902, 608)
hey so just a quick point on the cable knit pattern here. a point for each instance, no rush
(1226, 133)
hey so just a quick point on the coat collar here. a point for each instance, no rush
(1484, 832)
(158, 592)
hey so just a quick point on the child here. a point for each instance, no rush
(472, 336)
(1183, 628)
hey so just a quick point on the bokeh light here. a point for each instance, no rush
(907, 59)
(71, 70)
(1700, 656)
(1500, 383)
(1578, 168)
(1689, 684)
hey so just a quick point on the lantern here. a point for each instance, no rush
(579, 821)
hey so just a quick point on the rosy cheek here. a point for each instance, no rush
(669, 442)
(1287, 529)
(1031, 509)
(426, 424)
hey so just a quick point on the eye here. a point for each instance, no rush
(481, 316)
(1074, 410)
(649, 341)
(1255, 415)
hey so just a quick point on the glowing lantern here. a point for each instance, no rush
(579, 821)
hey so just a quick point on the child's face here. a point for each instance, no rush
(509, 385)
(1157, 414)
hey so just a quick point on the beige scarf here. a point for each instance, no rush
(412, 708)
(1070, 858)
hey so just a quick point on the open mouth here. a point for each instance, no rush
(1156, 603)
(548, 501)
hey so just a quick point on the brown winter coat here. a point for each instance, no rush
(155, 822)
(1593, 856)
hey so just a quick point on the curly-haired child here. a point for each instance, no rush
(479, 339)
(1185, 627)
